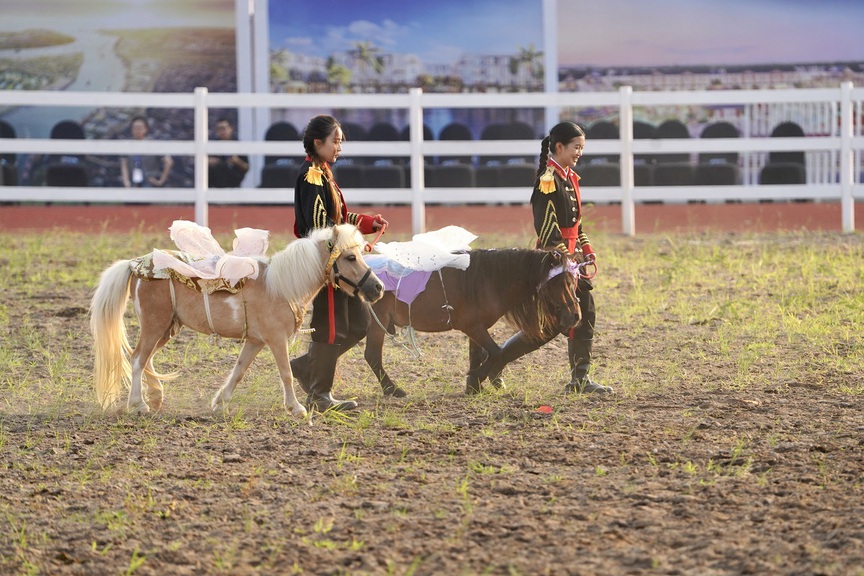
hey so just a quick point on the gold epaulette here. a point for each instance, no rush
(315, 176)
(547, 181)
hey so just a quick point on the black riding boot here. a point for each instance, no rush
(515, 347)
(300, 365)
(322, 369)
(300, 370)
(579, 353)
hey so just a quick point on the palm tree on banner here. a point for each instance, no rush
(337, 74)
(367, 57)
(531, 59)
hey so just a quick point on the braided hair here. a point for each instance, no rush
(320, 128)
(562, 133)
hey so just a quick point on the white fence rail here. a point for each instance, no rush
(833, 148)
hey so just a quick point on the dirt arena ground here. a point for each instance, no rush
(685, 477)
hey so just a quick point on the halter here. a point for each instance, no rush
(332, 269)
(577, 270)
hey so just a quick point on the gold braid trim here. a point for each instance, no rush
(583, 239)
(550, 224)
(319, 213)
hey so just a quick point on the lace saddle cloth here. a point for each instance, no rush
(201, 263)
(405, 267)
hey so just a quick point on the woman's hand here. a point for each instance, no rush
(379, 223)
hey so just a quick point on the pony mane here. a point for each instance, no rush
(295, 270)
(299, 269)
(520, 267)
(526, 270)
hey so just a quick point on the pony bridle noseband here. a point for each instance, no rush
(333, 276)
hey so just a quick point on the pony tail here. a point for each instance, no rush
(112, 370)
(544, 155)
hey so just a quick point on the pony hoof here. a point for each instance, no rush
(299, 411)
(138, 409)
(472, 390)
(498, 383)
(394, 391)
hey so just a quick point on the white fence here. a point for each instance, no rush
(834, 152)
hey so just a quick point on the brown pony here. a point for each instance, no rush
(266, 312)
(513, 283)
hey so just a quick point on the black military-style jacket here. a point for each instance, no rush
(557, 208)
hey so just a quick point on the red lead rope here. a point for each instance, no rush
(369, 246)
(581, 267)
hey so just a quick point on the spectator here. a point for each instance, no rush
(226, 171)
(139, 171)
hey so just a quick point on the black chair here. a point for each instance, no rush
(718, 168)
(783, 173)
(354, 131)
(349, 175)
(384, 132)
(283, 132)
(601, 130)
(719, 130)
(785, 167)
(521, 175)
(643, 131)
(719, 174)
(506, 131)
(787, 130)
(67, 169)
(383, 176)
(450, 176)
(672, 129)
(674, 174)
(672, 169)
(9, 162)
(455, 131)
(487, 176)
(279, 175)
(517, 174)
(405, 134)
(281, 171)
(599, 174)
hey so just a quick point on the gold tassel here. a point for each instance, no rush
(315, 176)
(547, 181)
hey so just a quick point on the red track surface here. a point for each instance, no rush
(681, 218)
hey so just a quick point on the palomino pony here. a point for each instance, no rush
(534, 289)
(266, 312)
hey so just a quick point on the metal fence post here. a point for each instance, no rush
(847, 173)
(628, 209)
(201, 167)
(418, 182)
